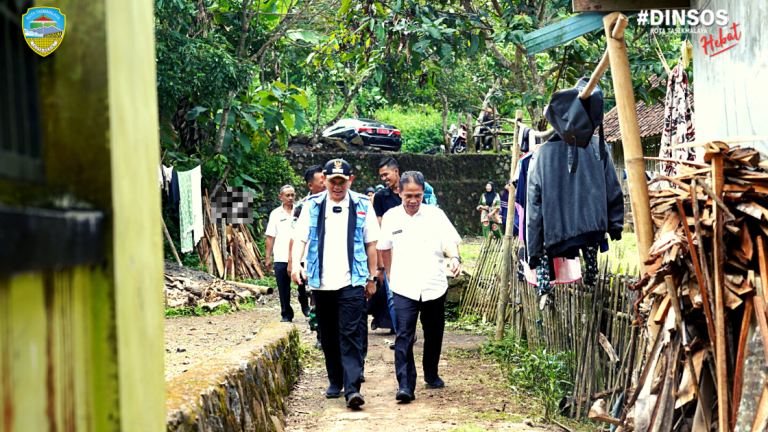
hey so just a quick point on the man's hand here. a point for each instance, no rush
(298, 274)
(290, 265)
(370, 289)
(455, 266)
(268, 263)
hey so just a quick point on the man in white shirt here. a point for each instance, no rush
(278, 237)
(339, 230)
(413, 239)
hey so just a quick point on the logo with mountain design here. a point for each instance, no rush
(44, 29)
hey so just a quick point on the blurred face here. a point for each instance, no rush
(338, 187)
(389, 176)
(506, 186)
(488, 187)
(287, 196)
(411, 194)
(370, 194)
(317, 184)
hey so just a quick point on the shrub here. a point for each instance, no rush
(421, 126)
(541, 374)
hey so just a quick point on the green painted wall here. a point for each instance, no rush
(459, 180)
(81, 349)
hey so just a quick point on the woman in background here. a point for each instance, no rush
(490, 206)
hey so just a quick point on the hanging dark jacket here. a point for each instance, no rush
(568, 209)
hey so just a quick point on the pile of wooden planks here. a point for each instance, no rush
(240, 258)
(184, 292)
(701, 302)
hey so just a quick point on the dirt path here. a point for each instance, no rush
(475, 394)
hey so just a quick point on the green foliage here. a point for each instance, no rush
(623, 253)
(471, 324)
(541, 374)
(421, 126)
(452, 312)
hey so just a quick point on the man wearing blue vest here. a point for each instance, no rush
(340, 230)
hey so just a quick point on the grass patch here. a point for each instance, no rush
(471, 324)
(623, 254)
(224, 309)
(543, 375)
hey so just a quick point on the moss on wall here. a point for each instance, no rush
(242, 389)
(458, 180)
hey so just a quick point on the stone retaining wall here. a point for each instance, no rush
(240, 390)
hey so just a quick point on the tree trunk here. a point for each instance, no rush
(470, 135)
(446, 139)
(340, 114)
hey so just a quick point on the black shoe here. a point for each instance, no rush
(438, 383)
(391, 331)
(405, 395)
(355, 400)
(305, 311)
(286, 320)
(333, 392)
(362, 378)
(392, 346)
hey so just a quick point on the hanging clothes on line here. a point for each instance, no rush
(190, 209)
(574, 197)
(678, 123)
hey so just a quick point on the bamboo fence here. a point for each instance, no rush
(594, 324)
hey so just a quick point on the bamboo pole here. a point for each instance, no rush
(509, 230)
(170, 241)
(717, 263)
(630, 134)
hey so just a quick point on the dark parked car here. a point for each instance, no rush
(372, 132)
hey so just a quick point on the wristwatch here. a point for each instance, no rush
(372, 279)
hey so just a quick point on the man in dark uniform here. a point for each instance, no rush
(384, 200)
(338, 229)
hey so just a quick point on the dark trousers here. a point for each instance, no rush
(338, 317)
(284, 290)
(364, 331)
(433, 324)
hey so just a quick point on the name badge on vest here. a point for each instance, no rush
(337, 209)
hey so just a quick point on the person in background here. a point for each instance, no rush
(505, 205)
(413, 240)
(314, 179)
(379, 187)
(278, 233)
(339, 230)
(429, 195)
(370, 192)
(489, 206)
(384, 200)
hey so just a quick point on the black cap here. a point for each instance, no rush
(337, 168)
(370, 189)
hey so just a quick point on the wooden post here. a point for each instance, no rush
(717, 262)
(630, 136)
(168, 237)
(470, 133)
(506, 257)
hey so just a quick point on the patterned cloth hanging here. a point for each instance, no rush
(678, 122)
